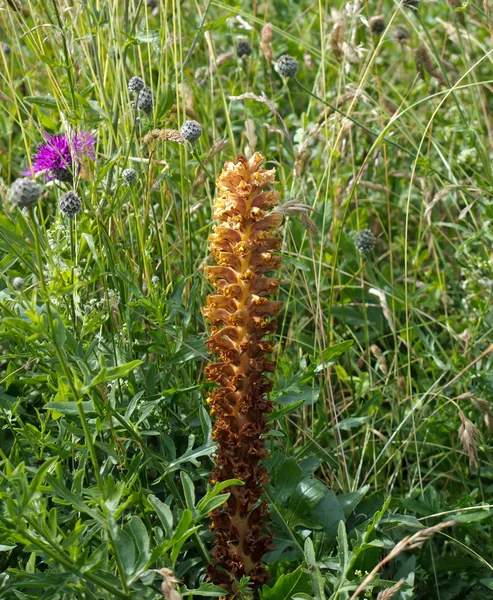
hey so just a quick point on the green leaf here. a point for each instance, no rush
(286, 479)
(188, 490)
(164, 513)
(288, 585)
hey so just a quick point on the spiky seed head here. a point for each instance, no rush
(24, 192)
(287, 66)
(414, 4)
(145, 100)
(401, 34)
(243, 48)
(365, 241)
(62, 174)
(129, 176)
(17, 283)
(191, 131)
(70, 204)
(377, 24)
(135, 85)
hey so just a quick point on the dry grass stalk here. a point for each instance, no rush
(385, 307)
(163, 135)
(336, 41)
(265, 43)
(410, 542)
(169, 583)
(379, 355)
(484, 407)
(468, 435)
(339, 102)
(425, 63)
(390, 592)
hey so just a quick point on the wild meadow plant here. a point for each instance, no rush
(180, 416)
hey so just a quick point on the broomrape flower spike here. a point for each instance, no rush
(59, 156)
(24, 193)
(241, 315)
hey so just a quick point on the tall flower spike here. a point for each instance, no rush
(241, 314)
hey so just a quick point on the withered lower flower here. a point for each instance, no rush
(241, 315)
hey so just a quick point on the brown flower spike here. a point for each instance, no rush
(240, 315)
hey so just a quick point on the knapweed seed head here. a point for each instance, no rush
(287, 66)
(135, 85)
(145, 100)
(59, 155)
(24, 192)
(377, 25)
(129, 176)
(17, 283)
(191, 131)
(70, 204)
(401, 34)
(365, 241)
(243, 48)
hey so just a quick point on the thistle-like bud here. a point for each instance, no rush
(129, 176)
(70, 204)
(377, 25)
(401, 34)
(191, 131)
(287, 66)
(241, 314)
(135, 85)
(243, 48)
(365, 241)
(24, 192)
(145, 100)
(17, 283)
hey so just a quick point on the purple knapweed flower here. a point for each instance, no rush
(56, 156)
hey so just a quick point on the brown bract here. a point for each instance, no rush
(241, 314)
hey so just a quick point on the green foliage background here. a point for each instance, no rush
(383, 418)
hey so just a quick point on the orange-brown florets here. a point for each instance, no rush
(241, 315)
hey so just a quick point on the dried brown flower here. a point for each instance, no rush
(468, 435)
(424, 63)
(241, 314)
(163, 135)
(390, 592)
(265, 42)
